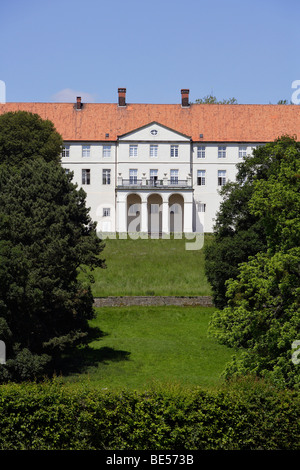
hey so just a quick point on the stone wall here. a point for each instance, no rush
(203, 301)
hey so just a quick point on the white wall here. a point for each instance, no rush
(100, 196)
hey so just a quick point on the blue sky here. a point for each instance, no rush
(55, 50)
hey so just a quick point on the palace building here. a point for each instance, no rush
(158, 167)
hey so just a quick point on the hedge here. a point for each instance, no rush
(247, 415)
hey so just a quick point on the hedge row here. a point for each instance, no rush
(52, 416)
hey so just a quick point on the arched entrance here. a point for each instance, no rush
(176, 208)
(133, 213)
(154, 206)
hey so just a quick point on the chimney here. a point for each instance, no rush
(78, 102)
(185, 98)
(122, 96)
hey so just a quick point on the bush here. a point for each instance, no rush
(245, 415)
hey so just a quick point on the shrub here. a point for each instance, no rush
(244, 415)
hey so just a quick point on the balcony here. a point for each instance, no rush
(134, 183)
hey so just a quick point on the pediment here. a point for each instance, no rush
(154, 131)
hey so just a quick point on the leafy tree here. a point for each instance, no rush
(262, 316)
(239, 231)
(46, 236)
(211, 99)
(24, 136)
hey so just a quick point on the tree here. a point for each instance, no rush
(238, 231)
(262, 316)
(25, 136)
(210, 99)
(46, 237)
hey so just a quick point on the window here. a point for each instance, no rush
(174, 176)
(133, 150)
(174, 150)
(66, 151)
(153, 150)
(201, 177)
(242, 152)
(106, 150)
(201, 207)
(67, 171)
(86, 150)
(153, 177)
(86, 176)
(221, 177)
(105, 176)
(133, 176)
(106, 211)
(222, 152)
(201, 151)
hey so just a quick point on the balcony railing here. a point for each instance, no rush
(160, 183)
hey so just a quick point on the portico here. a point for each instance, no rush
(157, 212)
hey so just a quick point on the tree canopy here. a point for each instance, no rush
(46, 236)
(211, 99)
(262, 311)
(24, 136)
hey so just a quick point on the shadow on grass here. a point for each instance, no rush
(86, 356)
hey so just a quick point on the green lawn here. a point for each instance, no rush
(151, 267)
(143, 346)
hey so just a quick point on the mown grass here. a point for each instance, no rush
(151, 267)
(144, 346)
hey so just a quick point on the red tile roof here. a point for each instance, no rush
(217, 123)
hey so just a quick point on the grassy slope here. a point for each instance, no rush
(151, 267)
(144, 345)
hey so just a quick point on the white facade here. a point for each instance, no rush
(153, 179)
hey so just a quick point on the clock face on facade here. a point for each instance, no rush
(154, 132)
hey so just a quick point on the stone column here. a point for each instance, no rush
(144, 215)
(188, 217)
(121, 213)
(165, 215)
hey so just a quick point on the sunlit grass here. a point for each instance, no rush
(151, 267)
(142, 346)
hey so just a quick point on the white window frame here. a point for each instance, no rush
(153, 150)
(133, 174)
(222, 151)
(174, 176)
(201, 149)
(133, 150)
(242, 151)
(106, 176)
(106, 151)
(201, 207)
(153, 176)
(201, 177)
(174, 151)
(86, 151)
(106, 212)
(65, 151)
(221, 177)
(86, 176)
